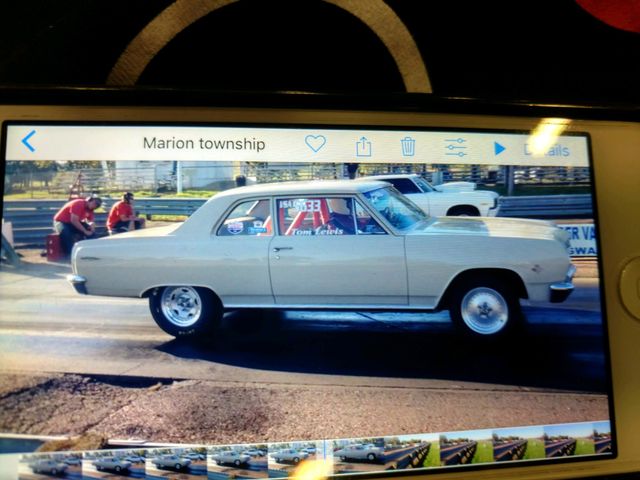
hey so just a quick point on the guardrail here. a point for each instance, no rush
(547, 206)
(32, 219)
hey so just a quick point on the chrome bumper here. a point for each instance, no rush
(78, 282)
(558, 292)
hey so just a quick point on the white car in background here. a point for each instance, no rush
(450, 199)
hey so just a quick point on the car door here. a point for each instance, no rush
(241, 264)
(330, 251)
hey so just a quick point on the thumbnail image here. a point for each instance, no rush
(412, 451)
(519, 443)
(569, 440)
(187, 462)
(462, 448)
(237, 461)
(114, 463)
(602, 437)
(59, 465)
(359, 455)
(285, 459)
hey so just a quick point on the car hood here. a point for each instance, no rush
(492, 227)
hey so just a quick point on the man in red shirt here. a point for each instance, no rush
(121, 217)
(74, 221)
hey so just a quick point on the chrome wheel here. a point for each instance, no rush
(484, 310)
(182, 306)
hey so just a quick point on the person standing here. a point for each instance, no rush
(122, 218)
(74, 221)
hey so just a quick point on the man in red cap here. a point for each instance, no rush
(74, 221)
(121, 217)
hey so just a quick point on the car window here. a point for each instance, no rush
(367, 225)
(399, 211)
(424, 185)
(251, 218)
(316, 216)
(404, 185)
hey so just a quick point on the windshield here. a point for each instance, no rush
(399, 211)
(424, 185)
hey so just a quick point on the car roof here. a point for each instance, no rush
(306, 187)
(388, 176)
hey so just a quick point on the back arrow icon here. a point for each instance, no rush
(25, 140)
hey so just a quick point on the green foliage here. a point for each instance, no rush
(433, 458)
(535, 449)
(484, 453)
(585, 446)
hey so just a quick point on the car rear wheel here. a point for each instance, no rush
(178, 466)
(184, 311)
(484, 307)
(118, 468)
(371, 457)
(237, 463)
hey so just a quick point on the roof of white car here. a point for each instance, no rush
(309, 187)
(391, 175)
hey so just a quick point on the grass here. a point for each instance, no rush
(585, 447)
(535, 449)
(169, 218)
(484, 453)
(433, 457)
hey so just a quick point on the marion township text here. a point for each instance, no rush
(173, 143)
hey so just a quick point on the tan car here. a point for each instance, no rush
(329, 245)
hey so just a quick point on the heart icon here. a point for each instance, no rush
(315, 142)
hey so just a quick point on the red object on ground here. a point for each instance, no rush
(54, 247)
(622, 14)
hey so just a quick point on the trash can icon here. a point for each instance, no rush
(408, 147)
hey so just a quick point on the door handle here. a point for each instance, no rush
(277, 249)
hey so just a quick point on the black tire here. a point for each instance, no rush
(54, 471)
(484, 307)
(371, 457)
(118, 468)
(343, 459)
(178, 466)
(296, 460)
(463, 211)
(206, 307)
(237, 463)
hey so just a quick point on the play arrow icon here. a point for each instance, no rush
(25, 140)
(498, 149)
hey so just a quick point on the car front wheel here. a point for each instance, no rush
(484, 308)
(184, 311)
